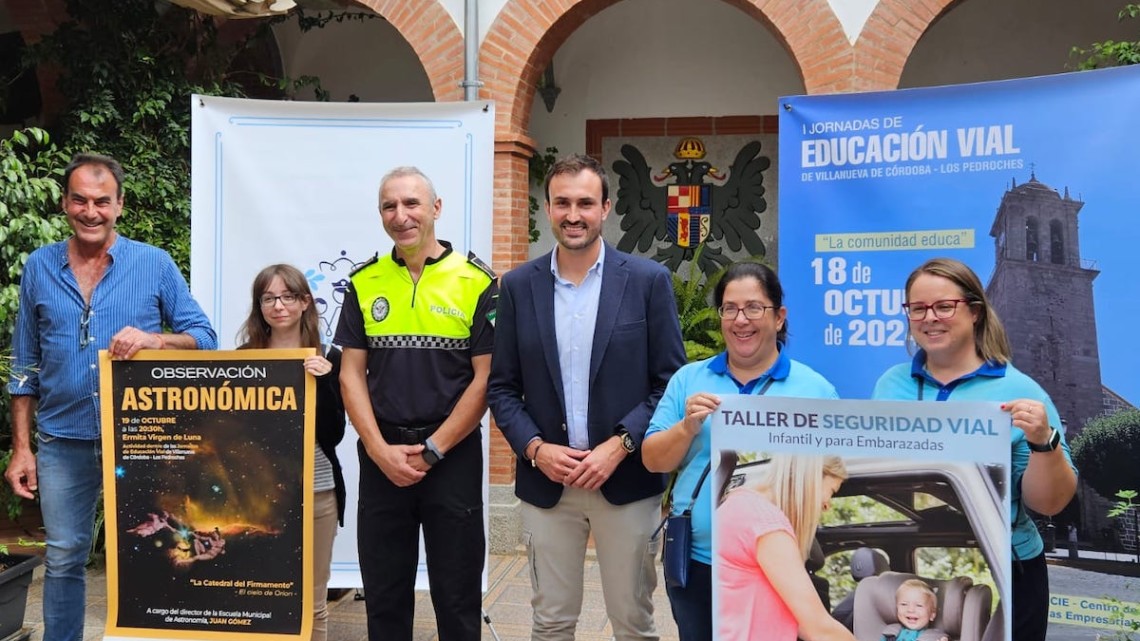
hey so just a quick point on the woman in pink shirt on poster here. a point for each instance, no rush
(764, 534)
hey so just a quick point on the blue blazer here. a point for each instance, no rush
(637, 347)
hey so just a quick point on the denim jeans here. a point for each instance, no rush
(70, 475)
(692, 604)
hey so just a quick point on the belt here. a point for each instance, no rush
(403, 435)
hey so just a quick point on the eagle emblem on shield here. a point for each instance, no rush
(692, 203)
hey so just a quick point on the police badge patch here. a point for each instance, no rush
(380, 309)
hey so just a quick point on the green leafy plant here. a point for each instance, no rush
(1121, 507)
(1106, 452)
(1128, 628)
(538, 164)
(127, 69)
(1125, 508)
(22, 543)
(29, 193)
(1110, 53)
(700, 326)
(1130, 620)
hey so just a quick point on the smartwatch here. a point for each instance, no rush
(627, 441)
(1047, 446)
(431, 453)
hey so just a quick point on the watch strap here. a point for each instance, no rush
(1048, 446)
(434, 455)
(627, 442)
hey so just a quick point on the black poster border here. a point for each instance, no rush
(278, 397)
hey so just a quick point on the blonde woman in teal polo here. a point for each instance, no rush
(964, 355)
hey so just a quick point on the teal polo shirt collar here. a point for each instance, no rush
(988, 369)
(778, 371)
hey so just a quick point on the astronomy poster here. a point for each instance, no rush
(208, 468)
(1030, 182)
(926, 491)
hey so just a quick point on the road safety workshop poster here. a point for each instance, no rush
(920, 485)
(208, 468)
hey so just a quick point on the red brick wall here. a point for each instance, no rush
(598, 130)
(433, 35)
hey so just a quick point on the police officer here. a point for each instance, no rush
(417, 332)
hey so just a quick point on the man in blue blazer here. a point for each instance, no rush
(586, 339)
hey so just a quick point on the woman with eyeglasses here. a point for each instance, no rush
(283, 317)
(963, 355)
(753, 320)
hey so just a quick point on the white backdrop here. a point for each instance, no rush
(298, 183)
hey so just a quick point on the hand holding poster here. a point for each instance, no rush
(926, 491)
(208, 475)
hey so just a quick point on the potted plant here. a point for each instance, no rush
(16, 566)
(15, 577)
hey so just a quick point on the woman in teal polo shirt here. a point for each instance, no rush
(749, 300)
(964, 355)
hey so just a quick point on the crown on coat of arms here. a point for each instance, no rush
(690, 148)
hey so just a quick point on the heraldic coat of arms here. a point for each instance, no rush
(684, 208)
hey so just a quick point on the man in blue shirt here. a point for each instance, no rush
(96, 290)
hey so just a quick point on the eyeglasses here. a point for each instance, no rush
(943, 309)
(752, 311)
(270, 300)
(85, 337)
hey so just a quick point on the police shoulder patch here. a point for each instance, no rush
(370, 261)
(483, 267)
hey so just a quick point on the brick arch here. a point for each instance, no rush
(433, 35)
(890, 35)
(526, 33)
(522, 41)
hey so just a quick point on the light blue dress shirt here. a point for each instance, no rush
(575, 315)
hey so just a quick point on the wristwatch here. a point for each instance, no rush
(627, 441)
(534, 456)
(431, 453)
(1047, 446)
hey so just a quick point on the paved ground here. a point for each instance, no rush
(507, 603)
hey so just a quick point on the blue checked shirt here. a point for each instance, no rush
(56, 343)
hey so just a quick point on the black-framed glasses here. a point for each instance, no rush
(269, 300)
(85, 337)
(752, 311)
(943, 309)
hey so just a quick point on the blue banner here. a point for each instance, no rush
(872, 185)
(1032, 183)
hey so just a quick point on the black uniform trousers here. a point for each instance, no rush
(448, 503)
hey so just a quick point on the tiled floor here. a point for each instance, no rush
(507, 604)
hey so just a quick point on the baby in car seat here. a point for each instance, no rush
(916, 608)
